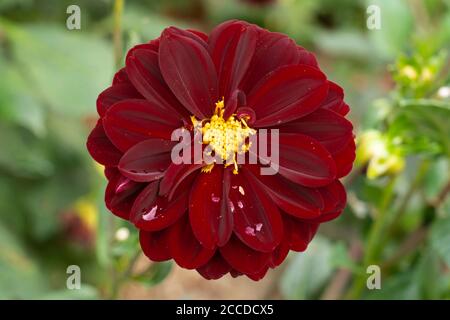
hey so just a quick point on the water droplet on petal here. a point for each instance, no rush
(240, 204)
(231, 206)
(150, 215)
(250, 231)
(258, 226)
(214, 198)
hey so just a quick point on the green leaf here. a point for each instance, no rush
(436, 177)
(67, 68)
(396, 28)
(20, 277)
(18, 104)
(22, 154)
(440, 238)
(345, 43)
(307, 272)
(86, 292)
(400, 286)
(155, 274)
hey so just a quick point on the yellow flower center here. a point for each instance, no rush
(226, 137)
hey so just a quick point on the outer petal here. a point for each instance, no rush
(231, 46)
(209, 211)
(279, 254)
(100, 147)
(335, 100)
(257, 221)
(335, 199)
(143, 70)
(329, 128)
(121, 193)
(295, 199)
(273, 50)
(120, 77)
(155, 245)
(131, 121)
(287, 94)
(115, 93)
(303, 160)
(242, 258)
(216, 268)
(189, 71)
(152, 212)
(306, 57)
(299, 233)
(344, 159)
(147, 160)
(185, 248)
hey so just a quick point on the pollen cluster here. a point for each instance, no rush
(226, 137)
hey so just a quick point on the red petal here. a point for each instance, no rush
(155, 245)
(273, 50)
(216, 268)
(297, 200)
(185, 248)
(209, 212)
(257, 221)
(232, 45)
(335, 199)
(174, 175)
(287, 94)
(147, 160)
(189, 72)
(100, 147)
(121, 77)
(115, 94)
(143, 69)
(191, 34)
(242, 258)
(335, 99)
(259, 275)
(202, 35)
(329, 128)
(236, 100)
(120, 199)
(151, 212)
(303, 160)
(299, 233)
(131, 121)
(344, 159)
(306, 57)
(279, 254)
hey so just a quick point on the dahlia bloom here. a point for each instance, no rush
(222, 218)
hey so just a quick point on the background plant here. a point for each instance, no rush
(397, 81)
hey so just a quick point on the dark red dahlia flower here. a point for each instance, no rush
(223, 218)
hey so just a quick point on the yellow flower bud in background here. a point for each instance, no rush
(374, 150)
(409, 72)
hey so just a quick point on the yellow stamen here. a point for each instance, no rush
(226, 137)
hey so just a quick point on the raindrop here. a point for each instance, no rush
(258, 226)
(231, 206)
(240, 204)
(214, 198)
(250, 231)
(150, 215)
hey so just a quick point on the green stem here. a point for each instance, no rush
(372, 249)
(120, 279)
(117, 33)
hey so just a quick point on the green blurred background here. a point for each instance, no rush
(397, 82)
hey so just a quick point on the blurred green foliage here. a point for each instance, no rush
(51, 193)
